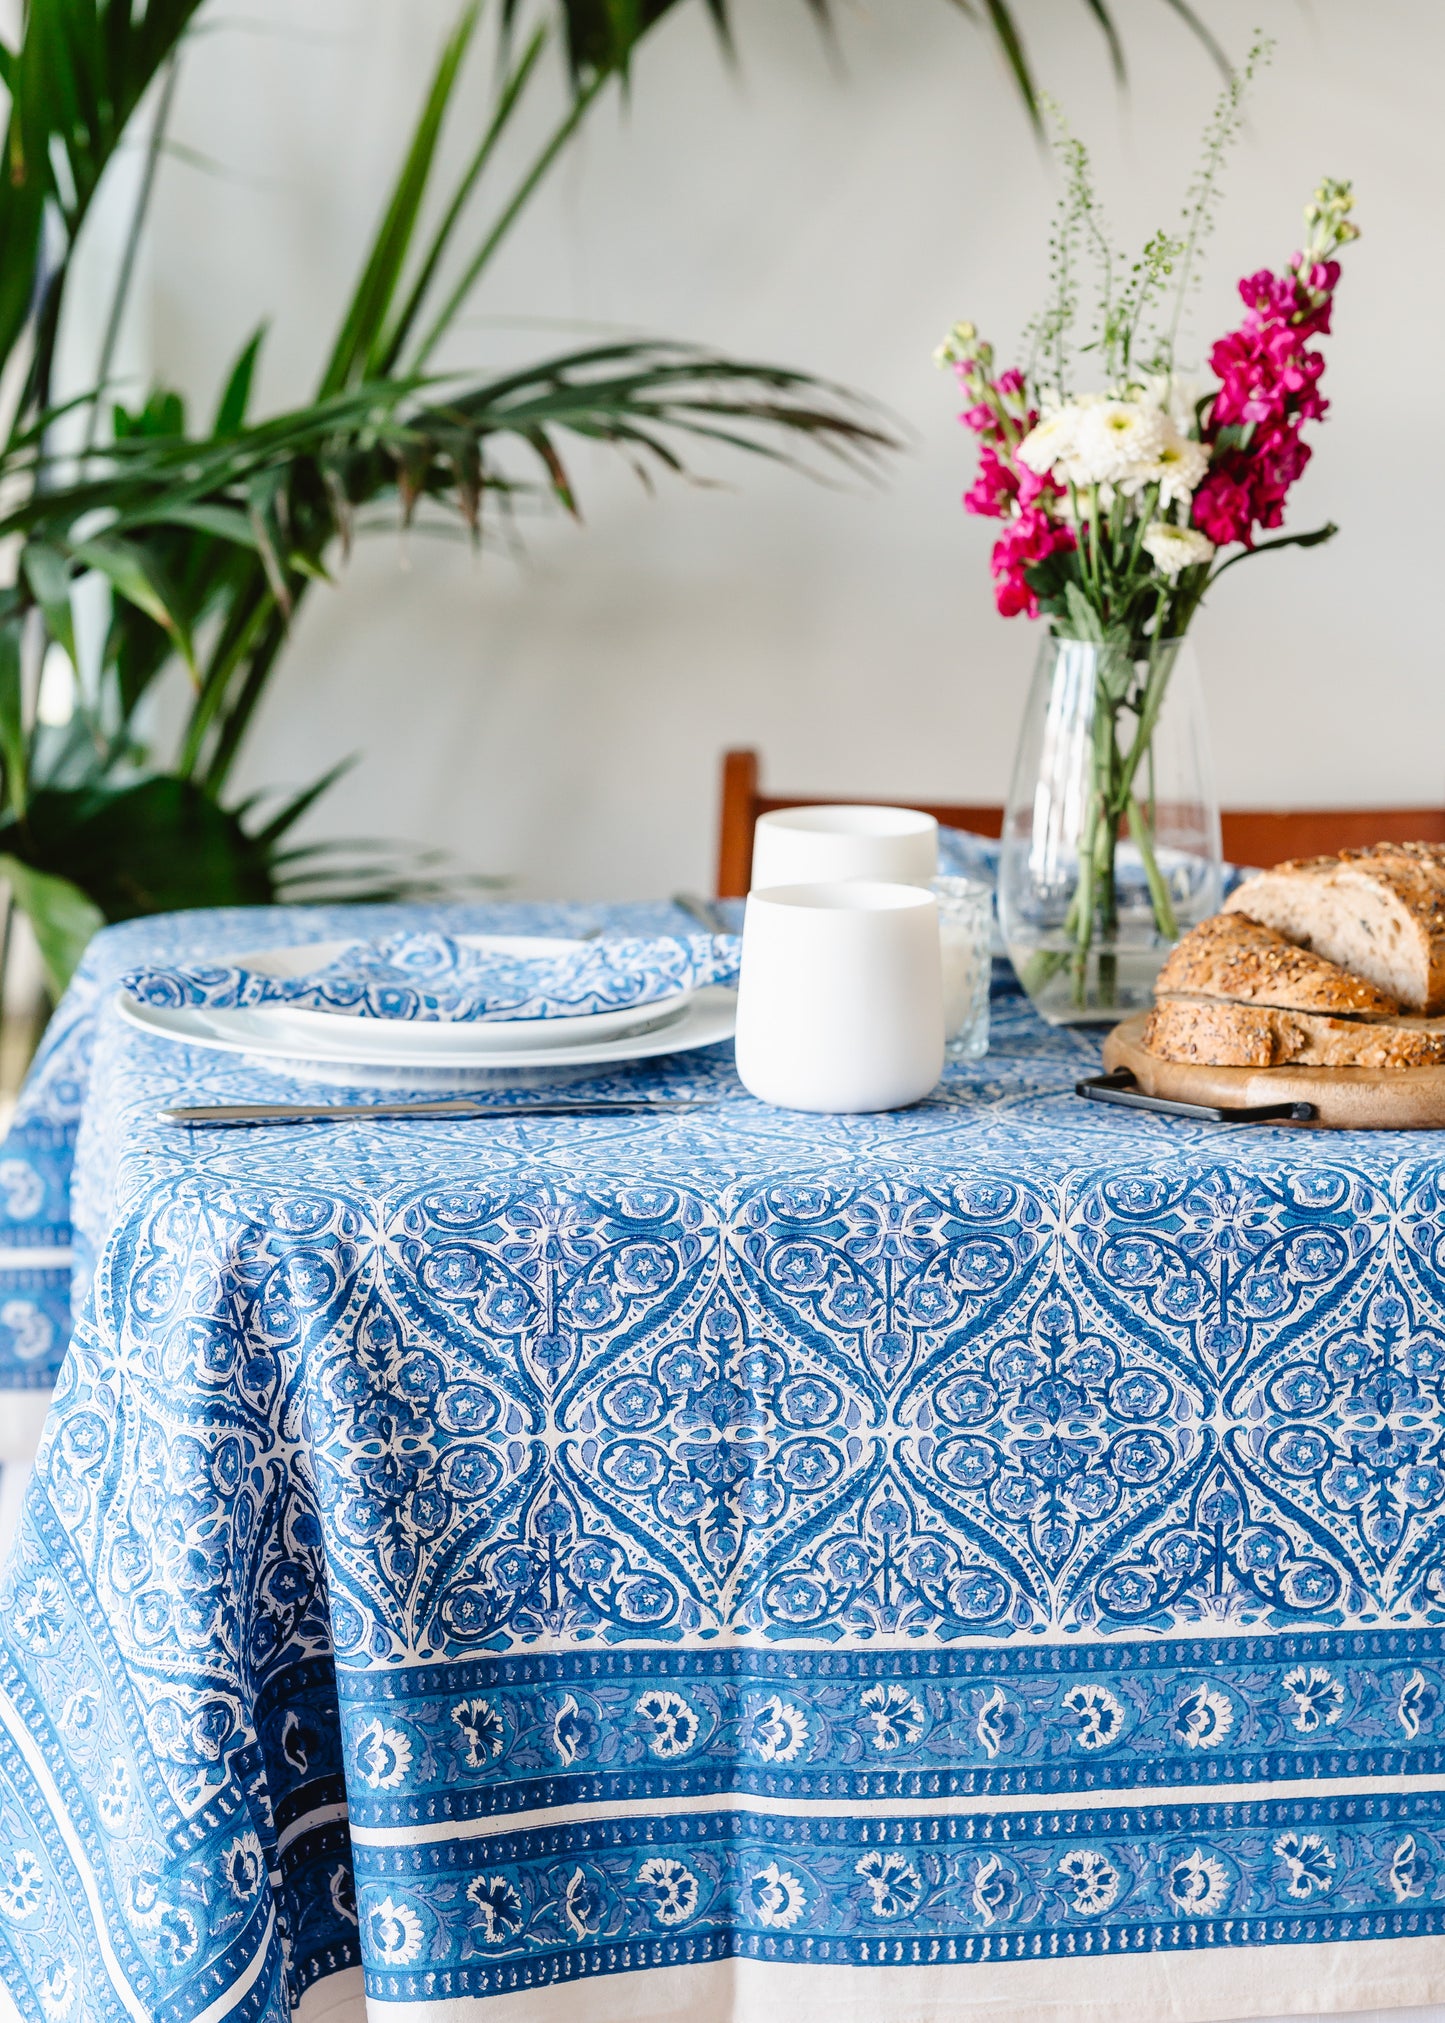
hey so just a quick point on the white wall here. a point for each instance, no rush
(562, 720)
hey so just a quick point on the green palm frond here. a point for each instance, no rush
(225, 535)
(601, 35)
(76, 80)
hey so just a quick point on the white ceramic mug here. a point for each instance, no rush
(821, 846)
(840, 997)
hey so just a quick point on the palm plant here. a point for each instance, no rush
(602, 34)
(208, 542)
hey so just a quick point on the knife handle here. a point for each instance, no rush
(1120, 1086)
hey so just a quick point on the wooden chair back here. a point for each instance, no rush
(1259, 836)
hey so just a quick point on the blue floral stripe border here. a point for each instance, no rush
(477, 1915)
(517, 1735)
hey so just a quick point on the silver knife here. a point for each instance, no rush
(450, 1107)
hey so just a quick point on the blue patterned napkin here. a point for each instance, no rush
(431, 976)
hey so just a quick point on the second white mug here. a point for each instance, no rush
(840, 996)
(818, 846)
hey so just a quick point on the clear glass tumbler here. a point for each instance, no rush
(965, 928)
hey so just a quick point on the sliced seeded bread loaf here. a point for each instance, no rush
(1262, 1036)
(1378, 912)
(1231, 956)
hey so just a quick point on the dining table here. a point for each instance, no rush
(710, 1564)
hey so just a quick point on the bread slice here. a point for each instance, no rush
(1378, 912)
(1231, 956)
(1221, 1035)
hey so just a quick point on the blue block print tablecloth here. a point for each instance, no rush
(983, 1561)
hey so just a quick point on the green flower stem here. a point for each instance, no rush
(1147, 513)
(1140, 830)
(1108, 845)
(1096, 567)
(1040, 969)
(1152, 701)
(1084, 902)
(1112, 800)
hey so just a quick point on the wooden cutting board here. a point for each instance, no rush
(1345, 1099)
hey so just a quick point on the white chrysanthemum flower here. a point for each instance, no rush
(1123, 442)
(1180, 469)
(1116, 440)
(1096, 440)
(1050, 442)
(1177, 470)
(1173, 548)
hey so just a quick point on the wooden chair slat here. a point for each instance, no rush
(1259, 836)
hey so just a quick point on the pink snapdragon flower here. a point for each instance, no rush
(1000, 415)
(1032, 536)
(1269, 383)
(1265, 374)
(994, 490)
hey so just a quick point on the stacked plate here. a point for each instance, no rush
(327, 1037)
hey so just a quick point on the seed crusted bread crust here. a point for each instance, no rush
(1219, 1035)
(1379, 913)
(1233, 957)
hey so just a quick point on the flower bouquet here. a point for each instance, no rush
(1120, 506)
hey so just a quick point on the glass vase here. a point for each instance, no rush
(1110, 844)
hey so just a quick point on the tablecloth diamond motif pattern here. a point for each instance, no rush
(1005, 1531)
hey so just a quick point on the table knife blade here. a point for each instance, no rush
(447, 1108)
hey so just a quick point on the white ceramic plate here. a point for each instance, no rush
(440, 1040)
(707, 1017)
